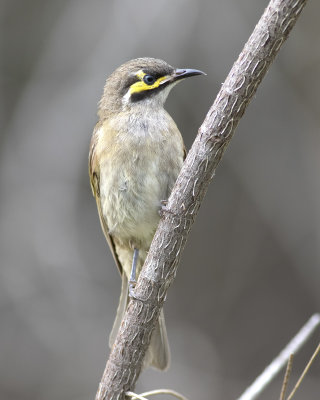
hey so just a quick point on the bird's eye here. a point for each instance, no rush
(149, 79)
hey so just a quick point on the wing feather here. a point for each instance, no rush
(94, 174)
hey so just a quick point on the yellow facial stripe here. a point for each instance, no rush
(141, 86)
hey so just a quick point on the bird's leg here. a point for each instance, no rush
(132, 281)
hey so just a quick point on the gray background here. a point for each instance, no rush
(249, 276)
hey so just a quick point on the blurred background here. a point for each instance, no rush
(249, 277)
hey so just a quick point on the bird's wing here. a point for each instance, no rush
(94, 174)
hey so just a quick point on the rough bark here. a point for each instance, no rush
(125, 361)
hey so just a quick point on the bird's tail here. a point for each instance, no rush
(121, 309)
(158, 353)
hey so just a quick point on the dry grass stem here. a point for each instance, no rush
(286, 377)
(304, 372)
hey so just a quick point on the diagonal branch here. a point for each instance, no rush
(125, 361)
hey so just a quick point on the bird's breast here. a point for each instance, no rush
(137, 171)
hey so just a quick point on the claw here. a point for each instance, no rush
(132, 285)
(163, 208)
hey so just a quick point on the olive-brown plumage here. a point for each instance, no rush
(136, 154)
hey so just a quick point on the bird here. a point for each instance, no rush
(136, 153)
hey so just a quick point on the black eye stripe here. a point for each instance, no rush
(138, 96)
(139, 74)
(129, 82)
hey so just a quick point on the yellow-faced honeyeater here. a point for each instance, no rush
(136, 153)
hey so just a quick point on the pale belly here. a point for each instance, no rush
(131, 195)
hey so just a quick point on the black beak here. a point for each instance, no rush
(185, 73)
(179, 74)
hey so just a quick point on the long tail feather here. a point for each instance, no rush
(121, 309)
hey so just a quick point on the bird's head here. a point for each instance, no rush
(141, 82)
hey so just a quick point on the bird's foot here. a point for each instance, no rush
(132, 285)
(164, 209)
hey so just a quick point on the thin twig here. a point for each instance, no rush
(253, 391)
(135, 396)
(304, 372)
(286, 377)
(125, 361)
(155, 392)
